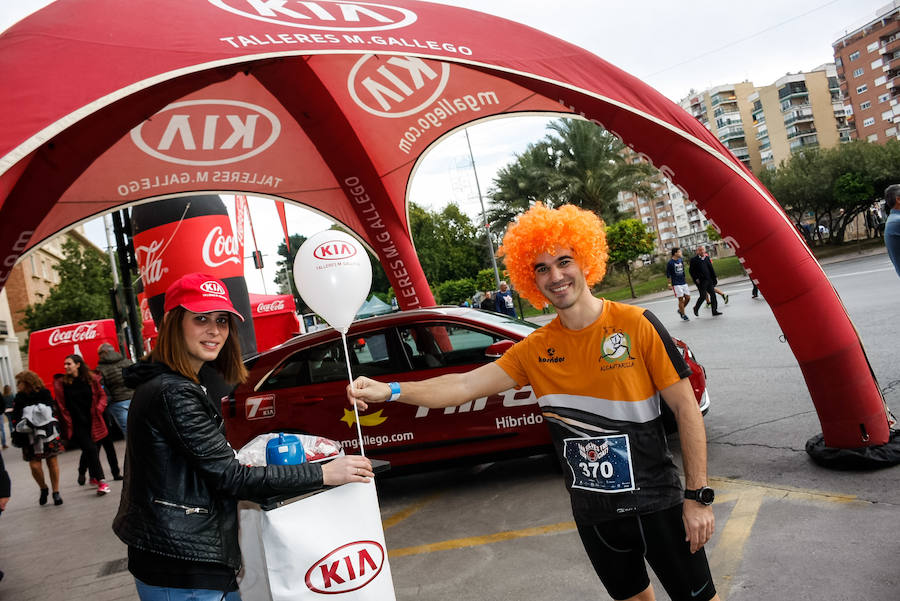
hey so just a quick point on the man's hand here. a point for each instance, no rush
(365, 390)
(699, 523)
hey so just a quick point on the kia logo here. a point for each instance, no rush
(207, 132)
(398, 86)
(334, 250)
(212, 287)
(324, 15)
(347, 568)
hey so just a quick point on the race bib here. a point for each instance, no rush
(600, 464)
(509, 302)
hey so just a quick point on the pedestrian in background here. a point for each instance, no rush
(487, 303)
(106, 443)
(704, 276)
(503, 301)
(6, 406)
(110, 366)
(81, 402)
(677, 282)
(892, 225)
(178, 511)
(5, 492)
(40, 440)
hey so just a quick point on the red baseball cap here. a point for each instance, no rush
(199, 293)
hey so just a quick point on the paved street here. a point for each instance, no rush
(786, 528)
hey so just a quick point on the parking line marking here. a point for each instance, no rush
(474, 541)
(405, 513)
(729, 552)
(785, 491)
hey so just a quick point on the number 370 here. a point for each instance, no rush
(589, 469)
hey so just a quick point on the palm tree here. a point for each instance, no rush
(578, 163)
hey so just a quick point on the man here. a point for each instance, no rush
(5, 491)
(677, 283)
(704, 276)
(600, 397)
(503, 301)
(110, 368)
(487, 303)
(892, 225)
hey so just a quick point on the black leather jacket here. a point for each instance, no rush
(182, 481)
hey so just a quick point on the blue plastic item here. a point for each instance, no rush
(286, 449)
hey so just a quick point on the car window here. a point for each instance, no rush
(445, 345)
(369, 356)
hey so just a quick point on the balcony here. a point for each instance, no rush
(807, 140)
(742, 153)
(796, 132)
(792, 90)
(800, 115)
(762, 133)
(758, 116)
(731, 132)
(795, 102)
(4, 330)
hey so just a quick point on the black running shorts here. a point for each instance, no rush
(617, 549)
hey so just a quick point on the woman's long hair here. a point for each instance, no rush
(171, 349)
(84, 374)
(31, 382)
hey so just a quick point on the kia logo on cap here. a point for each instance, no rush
(334, 250)
(207, 132)
(398, 86)
(322, 15)
(212, 287)
(347, 568)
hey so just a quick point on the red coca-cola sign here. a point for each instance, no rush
(79, 333)
(348, 568)
(205, 244)
(277, 305)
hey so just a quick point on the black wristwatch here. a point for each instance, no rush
(704, 495)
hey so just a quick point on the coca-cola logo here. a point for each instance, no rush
(212, 287)
(276, 305)
(150, 261)
(146, 315)
(334, 250)
(219, 249)
(323, 15)
(78, 334)
(347, 568)
(398, 86)
(207, 132)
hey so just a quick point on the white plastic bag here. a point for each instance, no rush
(317, 448)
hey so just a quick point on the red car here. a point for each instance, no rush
(300, 387)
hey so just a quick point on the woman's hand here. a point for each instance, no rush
(365, 390)
(349, 468)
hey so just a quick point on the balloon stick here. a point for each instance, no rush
(362, 451)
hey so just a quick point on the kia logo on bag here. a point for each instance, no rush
(323, 15)
(207, 132)
(79, 334)
(398, 86)
(334, 250)
(212, 287)
(347, 568)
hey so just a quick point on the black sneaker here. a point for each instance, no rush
(81, 479)
(684, 317)
(696, 311)
(57, 500)
(45, 492)
(717, 313)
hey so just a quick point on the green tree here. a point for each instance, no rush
(485, 280)
(453, 292)
(628, 239)
(578, 163)
(446, 243)
(82, 293)
(712, 234)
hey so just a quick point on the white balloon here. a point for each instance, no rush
(333, 274)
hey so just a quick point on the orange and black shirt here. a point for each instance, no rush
(598, 389)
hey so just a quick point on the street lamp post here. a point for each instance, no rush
(487, 230)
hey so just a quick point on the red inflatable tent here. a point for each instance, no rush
(330, 104)
(274, 319)
(47, 349)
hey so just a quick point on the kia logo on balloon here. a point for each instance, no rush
(323, 15)
(333, 276)
(347, 568)
(398, 86)
(334, 250)
(207, 132)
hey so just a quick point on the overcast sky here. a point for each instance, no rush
(674, 46)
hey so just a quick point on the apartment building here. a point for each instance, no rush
(10, 359)
(763, 126)
(867, 58)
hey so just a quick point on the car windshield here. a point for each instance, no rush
(504, 321)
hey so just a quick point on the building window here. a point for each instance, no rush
(875, 64)
(872, 47)
(872, 138)
(887, 115)
(858, 72)
(838, 62)
(884, 97)
(854, 56)
(864, 105)
(868, 122)
(862, 89)
(881, 80)
(891, 131)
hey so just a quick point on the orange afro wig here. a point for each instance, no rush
(540, 230)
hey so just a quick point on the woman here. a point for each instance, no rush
(178, 512)
(81, 403)
(5, 406)
(37, 444)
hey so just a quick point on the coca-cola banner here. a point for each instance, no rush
(274, 319)
(47, 349)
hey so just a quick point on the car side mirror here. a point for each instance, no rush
(498, 348)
